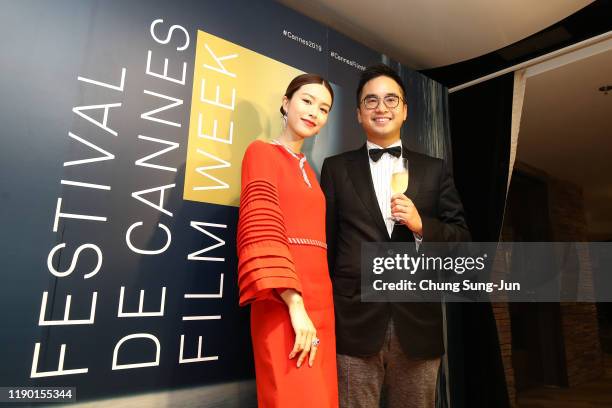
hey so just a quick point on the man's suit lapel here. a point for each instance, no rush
(414, 173)
(359, 171)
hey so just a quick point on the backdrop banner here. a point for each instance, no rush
(123, 129)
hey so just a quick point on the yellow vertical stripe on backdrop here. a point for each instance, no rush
(212, 172)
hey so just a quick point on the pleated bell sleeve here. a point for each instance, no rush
(264, 260)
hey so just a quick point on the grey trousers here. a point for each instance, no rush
(405, 382)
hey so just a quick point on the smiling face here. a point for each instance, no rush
(382, 124)
(307, 110)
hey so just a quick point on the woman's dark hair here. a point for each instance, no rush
(375, 71)
(305, 79)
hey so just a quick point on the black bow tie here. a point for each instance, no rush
(376, 154)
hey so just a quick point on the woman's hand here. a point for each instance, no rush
(305, 331)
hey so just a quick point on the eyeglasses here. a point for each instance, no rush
(391, 101)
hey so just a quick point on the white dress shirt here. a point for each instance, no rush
(381, 171)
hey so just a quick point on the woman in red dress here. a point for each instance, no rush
(282, 258)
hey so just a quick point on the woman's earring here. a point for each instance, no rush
(285, 120)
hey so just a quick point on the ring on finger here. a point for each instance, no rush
(316, 342)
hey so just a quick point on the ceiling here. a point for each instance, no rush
(566, 131)
(424, 34)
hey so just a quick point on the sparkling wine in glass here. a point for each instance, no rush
(399, 177)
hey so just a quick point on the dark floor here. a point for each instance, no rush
(596, 394)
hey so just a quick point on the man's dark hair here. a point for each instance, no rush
(374, 71)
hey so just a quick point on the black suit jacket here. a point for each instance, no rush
(353, 217)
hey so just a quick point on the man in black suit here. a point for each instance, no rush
(391, 346)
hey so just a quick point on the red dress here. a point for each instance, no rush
(281, 244)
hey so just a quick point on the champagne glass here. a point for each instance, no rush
(399, 178)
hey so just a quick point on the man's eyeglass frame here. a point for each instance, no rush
(384, 100)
